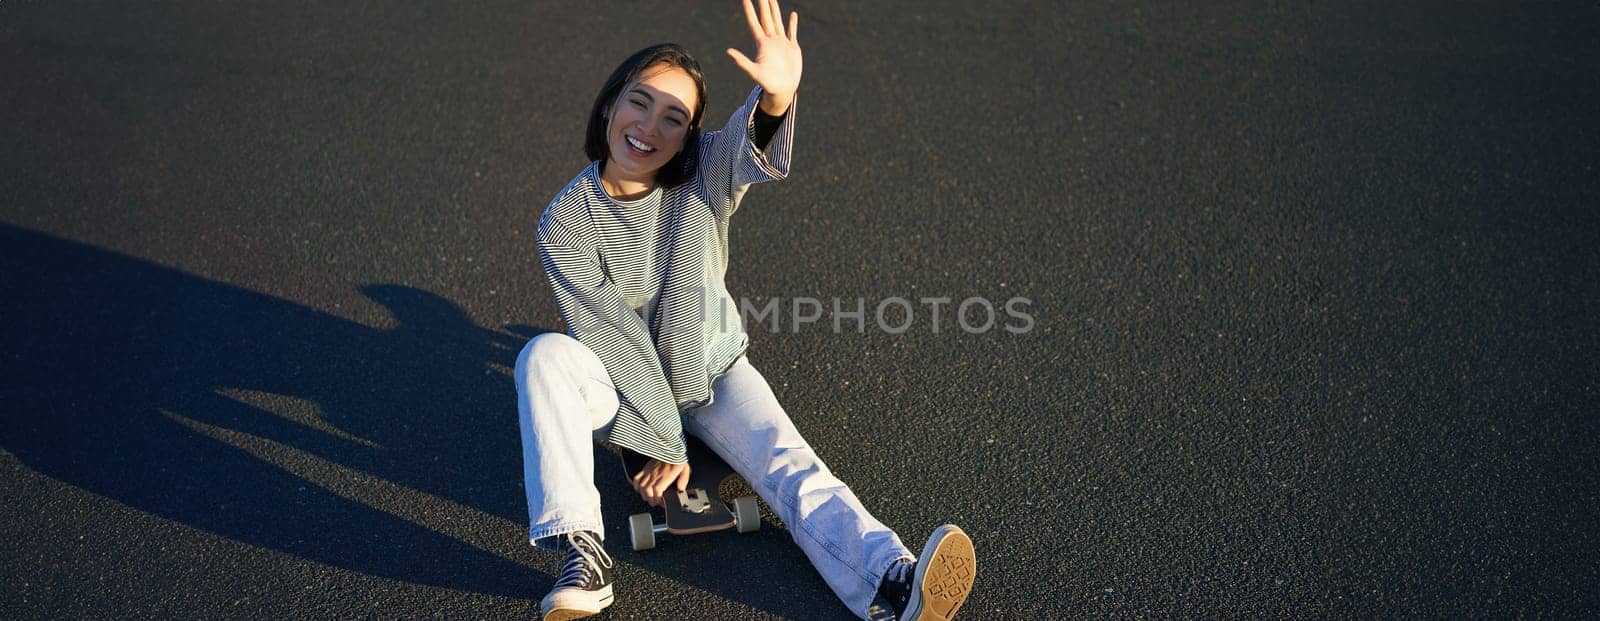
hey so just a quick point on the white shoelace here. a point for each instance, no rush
(591, 562)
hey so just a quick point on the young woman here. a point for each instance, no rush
(635, 248)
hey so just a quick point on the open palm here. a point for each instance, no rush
(777, 64)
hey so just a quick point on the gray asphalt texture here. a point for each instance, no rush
(1312, 295)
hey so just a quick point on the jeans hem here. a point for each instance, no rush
(542, 537)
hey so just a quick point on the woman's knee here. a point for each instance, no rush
(563, 370)
(547, 351)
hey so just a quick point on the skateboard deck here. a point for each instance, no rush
(698, 509)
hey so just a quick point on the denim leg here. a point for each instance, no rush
(746, 426)
(564, 397)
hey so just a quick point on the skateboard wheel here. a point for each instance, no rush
(746, 514)
(642, 529)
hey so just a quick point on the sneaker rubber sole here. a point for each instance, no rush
(945, 573)
(575, 604)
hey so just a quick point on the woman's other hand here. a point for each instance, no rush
(777, 64)
(653, 481)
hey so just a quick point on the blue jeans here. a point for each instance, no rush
(566, 400)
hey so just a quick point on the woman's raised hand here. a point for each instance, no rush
(777, 64)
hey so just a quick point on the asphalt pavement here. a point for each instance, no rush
(1244, 309)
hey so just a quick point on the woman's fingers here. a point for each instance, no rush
(769, 21)
(794, 26)
(654, 480)
(683, 479)
(744, 62)
(643, 482)
(655, 491)
(639, 487)
(756, 31)
(777, 29)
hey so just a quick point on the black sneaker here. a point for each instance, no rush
(584, 587)
(933, 588)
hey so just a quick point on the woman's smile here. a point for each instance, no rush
(639, 146)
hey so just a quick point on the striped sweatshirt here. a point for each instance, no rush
(640, 282)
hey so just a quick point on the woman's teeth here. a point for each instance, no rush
(639, 145)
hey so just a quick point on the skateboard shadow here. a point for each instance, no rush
(391, 452)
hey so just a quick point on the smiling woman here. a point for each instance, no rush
(635, 248)
(655, 97)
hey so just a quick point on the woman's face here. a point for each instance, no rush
(649, 122)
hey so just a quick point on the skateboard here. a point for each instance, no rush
(698, 509)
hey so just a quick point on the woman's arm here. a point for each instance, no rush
(736, 156)
(597, 315)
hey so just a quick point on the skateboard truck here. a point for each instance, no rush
(643, 529)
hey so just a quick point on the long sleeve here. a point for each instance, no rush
(764, 128)
(730, 161)
(597, 315)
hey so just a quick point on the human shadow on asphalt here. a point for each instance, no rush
(290, 429)
(265, 421)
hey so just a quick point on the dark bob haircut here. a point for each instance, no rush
(682, 166)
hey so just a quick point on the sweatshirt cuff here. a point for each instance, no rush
(772, 159)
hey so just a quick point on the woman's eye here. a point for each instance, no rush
(675, 122)
(637, 103)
